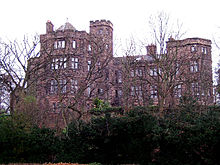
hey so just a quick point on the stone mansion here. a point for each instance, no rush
(79, 66)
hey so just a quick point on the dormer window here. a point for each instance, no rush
(74, 44)
(59, 44)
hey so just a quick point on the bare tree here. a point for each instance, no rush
(174, 68)
(16, 59)
(169, 70)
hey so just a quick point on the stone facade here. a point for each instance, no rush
(80, 66)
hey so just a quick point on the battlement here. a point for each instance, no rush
(197, 41)
(102, 22)
(189, 41)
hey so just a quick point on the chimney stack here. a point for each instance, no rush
(49, 27)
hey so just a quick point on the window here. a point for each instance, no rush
(89, 65)
(100, 91)
(106, 74)
(139, 72)
(89, 91)
(119, 77)
(106, 46)
(153, 72)
(132, 73)
(107, 31)
(204, 50)
(153, 91)
(136, 90)
(74, 63)
(194, 66)
(209, 92)
(177, 68)
(55, 45)
(98, 65)
(54, 106)
(100, 31)
(62, 63)
(193, 48)
(119, 93)
(195, 89)
(53, 86)
(89, 48)
(132, 91)
(203, 92)
(58, 63)
(116, 93)
(178, 90)
(53, 64)
(74, 86)
(62, 86)
(74, 44)
(59, 44)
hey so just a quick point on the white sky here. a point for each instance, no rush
(200, 18)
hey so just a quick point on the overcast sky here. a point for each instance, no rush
(200, 18)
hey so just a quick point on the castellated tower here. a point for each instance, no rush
(195, 54)
(103, 29)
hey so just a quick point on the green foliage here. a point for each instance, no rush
(102, 107)
(187, 102)
(29, 99)
(21, 143)
(3, 113)
(100, 104)
(139, 137)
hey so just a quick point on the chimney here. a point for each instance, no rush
(49, 27)
(151, 49)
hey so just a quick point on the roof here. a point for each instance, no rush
(66, 26)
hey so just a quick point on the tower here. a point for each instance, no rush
(103, 29)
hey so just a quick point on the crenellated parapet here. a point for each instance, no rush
(188, 41)
(103, 22)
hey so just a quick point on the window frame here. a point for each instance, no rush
(75, 63)
(59, 44)
(74, 85)
(74, 44)
(194, 66)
